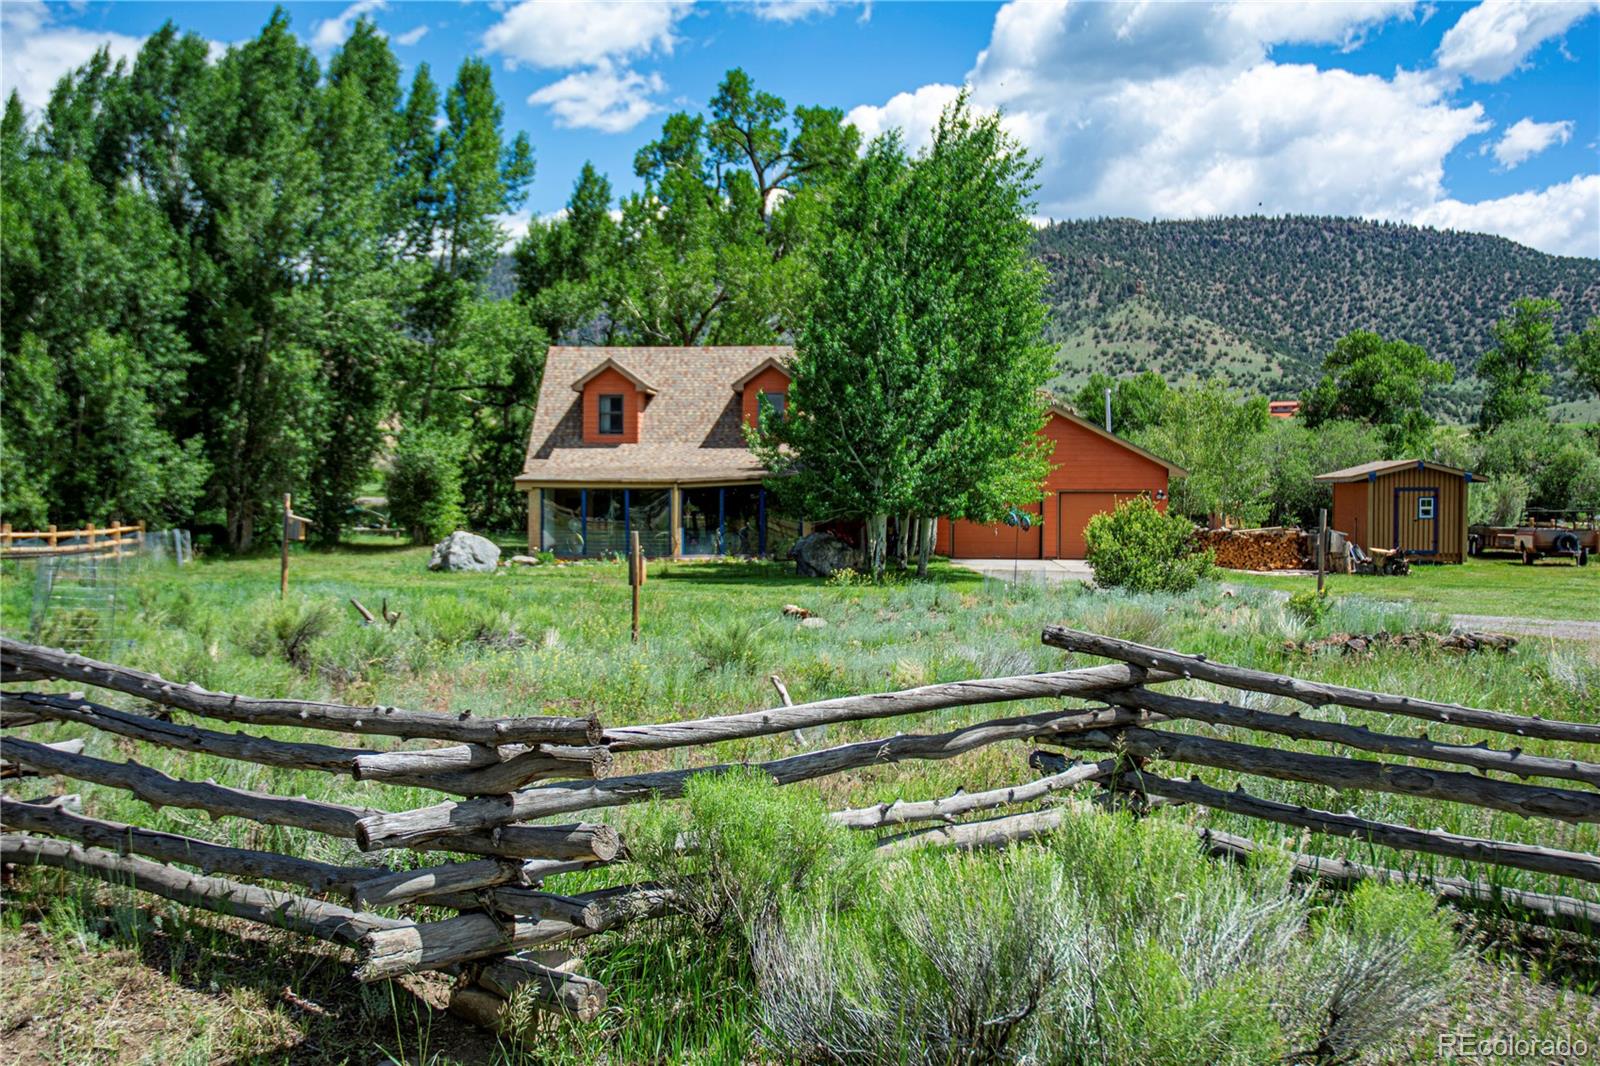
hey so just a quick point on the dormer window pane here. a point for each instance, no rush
(775, 402)
(611, 415)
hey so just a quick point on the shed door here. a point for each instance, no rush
(1076, 510)
(1416, 520)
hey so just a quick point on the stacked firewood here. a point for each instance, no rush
(1272, 548)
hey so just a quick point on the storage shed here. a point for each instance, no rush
(1091, 471)
(1406, 504)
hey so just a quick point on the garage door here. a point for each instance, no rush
(971, 540)
(1076, 510)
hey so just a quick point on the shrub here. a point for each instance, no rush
(736, 646)
(1310, 605)
(1118, 942)
(424, 484)
(1138, 548)
(290, 630)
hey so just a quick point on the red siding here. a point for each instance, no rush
(609, 382)
(769, 380)
(1082, 461)
(1350, 511)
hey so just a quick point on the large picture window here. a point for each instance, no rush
(611, 415)
(719, 520)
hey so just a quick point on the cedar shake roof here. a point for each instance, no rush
(1384, 466)
(691, 430)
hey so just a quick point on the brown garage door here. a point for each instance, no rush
(1076, 510)
(971, 540)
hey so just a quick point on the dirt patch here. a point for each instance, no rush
(112, 981)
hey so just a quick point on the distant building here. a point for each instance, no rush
(1283, 408)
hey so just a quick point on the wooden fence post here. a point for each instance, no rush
(283, 569)
(635, 577)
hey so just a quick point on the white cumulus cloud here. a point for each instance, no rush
(1494, 38)
(797, 10)
(1562, 219)
(38, 52)
(561, 34)
(411, 36)
(1527, 138)
(1178, 110)
(332, 32)
(604, 98)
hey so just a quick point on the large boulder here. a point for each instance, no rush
(820, 554)
(465, 551)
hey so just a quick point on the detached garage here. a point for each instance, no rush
(1091, 472)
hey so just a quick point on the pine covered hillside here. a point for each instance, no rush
(1258, 301)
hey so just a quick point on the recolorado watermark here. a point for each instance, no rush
(1497, 1047)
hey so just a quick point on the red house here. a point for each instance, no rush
(651, 439)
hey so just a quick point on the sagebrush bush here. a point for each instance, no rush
(737, 646)
(1138, 548)
(1118, 942)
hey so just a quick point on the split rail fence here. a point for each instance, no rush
(113, 541)
(510, 776)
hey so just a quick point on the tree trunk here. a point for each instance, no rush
(877, 543)
(903, 537)
(929, 529)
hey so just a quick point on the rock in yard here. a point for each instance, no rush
(525, 560)
(464, 551)
(814, 622)
(820, 554)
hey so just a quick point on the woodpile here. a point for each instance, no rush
(1271, 548)
(488, 862)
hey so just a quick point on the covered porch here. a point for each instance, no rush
(677, 520)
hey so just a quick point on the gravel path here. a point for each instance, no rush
(1527, 627)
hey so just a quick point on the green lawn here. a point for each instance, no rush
(555, 640)
(1499, 585)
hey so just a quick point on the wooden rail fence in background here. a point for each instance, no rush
(112, 540)
(508, 772)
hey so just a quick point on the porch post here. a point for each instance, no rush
(675, 495)
(535, 515)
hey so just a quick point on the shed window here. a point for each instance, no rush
(611, 415)
(1425, 505)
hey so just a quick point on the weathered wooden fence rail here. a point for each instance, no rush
(509, 772)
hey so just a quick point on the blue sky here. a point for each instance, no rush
(1482, 117)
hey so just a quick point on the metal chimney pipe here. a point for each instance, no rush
(1108, 410)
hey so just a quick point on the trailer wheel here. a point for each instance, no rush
(1583, 556)
(1528, 557)
(1566, 543)
(1474, 545)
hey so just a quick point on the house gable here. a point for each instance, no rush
(610, 382)
(768, 379)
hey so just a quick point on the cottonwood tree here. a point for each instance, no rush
(916, 383)
(1382, 383)
(1216, 434)
(1514, 370)
(1136, 402)
(1582, 351)
(711, 250)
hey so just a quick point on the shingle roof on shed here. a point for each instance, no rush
(1385, 466)
(691, 429)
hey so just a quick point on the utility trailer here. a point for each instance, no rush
(1572, 534)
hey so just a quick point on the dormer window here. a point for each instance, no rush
(610, 421)
(775, 403)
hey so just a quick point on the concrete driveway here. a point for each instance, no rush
(1047, 571)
